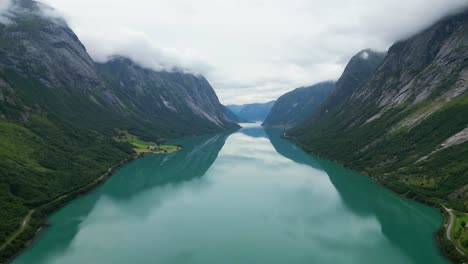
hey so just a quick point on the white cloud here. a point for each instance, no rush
(141, 48)
(250, 50)
(4, 8)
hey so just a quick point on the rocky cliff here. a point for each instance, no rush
(44, 67)
(174, 102)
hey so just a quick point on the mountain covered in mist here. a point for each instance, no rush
(59, 113)
(296, 106)
(405, 119)
(176, 103)
(252, 112)
(400, 117)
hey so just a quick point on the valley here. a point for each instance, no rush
(195, 205)
(349, 169)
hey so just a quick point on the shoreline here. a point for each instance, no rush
(63, 200)
(58, 204)
(439, 207)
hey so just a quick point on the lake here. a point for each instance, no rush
(246, 197)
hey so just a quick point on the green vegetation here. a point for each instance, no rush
(44, 159)
(59, 114)
(409, 161)
(460, 231)
(141, 146)
(447, 247)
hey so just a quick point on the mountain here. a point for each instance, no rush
(406, 124)
(358, 70)
(175, 103)
(233, 117)
(60, 112)
(296, 106)
(252, 112)
(46, 60)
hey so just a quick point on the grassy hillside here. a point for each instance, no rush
(43, 159)
(396, 157)
(141, 146)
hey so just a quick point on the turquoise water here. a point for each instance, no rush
(247, 197)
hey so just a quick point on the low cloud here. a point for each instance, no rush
(139, 47)
(250, 50)
(5, 6)
(9, 9)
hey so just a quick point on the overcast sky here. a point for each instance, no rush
(249, 50)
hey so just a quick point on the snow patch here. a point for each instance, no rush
(168, 104)
(364, 55)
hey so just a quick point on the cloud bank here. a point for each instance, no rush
(250, 50)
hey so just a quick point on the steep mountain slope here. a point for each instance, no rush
(252, 112)
(48, 88)
(233, 117)
(52, 72)
(358, 70)
(407, 124)
(58, 113)
(296, 106)
(174, 102)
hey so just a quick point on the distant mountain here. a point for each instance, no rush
(59, 111)
(232, 116)
(296, 106)
(405, 123)
(252, 112)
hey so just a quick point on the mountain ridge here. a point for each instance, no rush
(252, 112)
(296, 106)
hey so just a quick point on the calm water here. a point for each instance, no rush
(248, 197)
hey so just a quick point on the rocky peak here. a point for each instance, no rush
(41, 46)
(438, 54)
(358, 70)
(41, 57)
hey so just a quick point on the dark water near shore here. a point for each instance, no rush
(248, 197)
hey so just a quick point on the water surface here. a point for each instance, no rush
(248, 197)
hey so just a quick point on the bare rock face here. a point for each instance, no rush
(438, 56)
(39, 46)
(43, 60)
(173, 100)
(359, 69)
